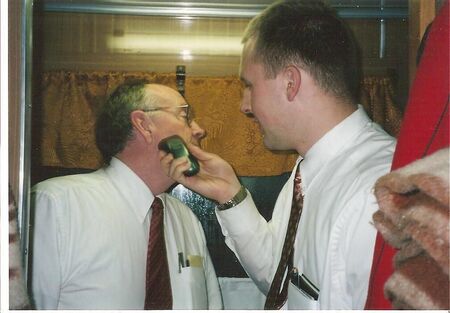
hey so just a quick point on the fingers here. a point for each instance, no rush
(165, 159)
(174, 168)
(216, 179)
(199, 153)
(178, 167)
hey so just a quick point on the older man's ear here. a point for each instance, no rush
(142, 124)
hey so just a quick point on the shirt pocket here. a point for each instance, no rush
(193, 277)
(298, 300)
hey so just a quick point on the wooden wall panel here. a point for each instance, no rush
(14, 99)
(82, 42)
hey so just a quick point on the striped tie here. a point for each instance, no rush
(158, 293)
(276, 297)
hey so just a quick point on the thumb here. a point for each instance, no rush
(199, 153)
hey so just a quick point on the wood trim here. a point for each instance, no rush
(14, 104)
(421, 14)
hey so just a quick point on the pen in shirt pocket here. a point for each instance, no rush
(180, 261)
(304, 284)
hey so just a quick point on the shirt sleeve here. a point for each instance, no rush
(46, 250)
(355, 251)
(248, 235)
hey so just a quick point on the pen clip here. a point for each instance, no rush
(304, 284)
(180, 261)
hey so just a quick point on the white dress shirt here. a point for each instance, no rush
(90, 244)
(335, 238)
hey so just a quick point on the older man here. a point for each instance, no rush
(94, 246)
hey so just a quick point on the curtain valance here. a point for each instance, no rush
(69, 103)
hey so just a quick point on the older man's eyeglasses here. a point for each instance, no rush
(186, 111)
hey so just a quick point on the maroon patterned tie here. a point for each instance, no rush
(276, 297)
(158, 293)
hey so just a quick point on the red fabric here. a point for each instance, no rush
(425, 129)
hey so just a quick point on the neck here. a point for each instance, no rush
(326, 112)
(148, 168)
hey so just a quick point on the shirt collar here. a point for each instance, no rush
(331, 144)
(133, 189)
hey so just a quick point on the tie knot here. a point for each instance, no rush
(157, 204)
(297, 172)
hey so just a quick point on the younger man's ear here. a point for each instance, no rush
(142, 124)
(293, 81)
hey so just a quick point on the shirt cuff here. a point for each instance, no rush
(245, 212)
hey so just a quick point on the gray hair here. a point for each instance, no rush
(113, 127)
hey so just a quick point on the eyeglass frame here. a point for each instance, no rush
(186, 106)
